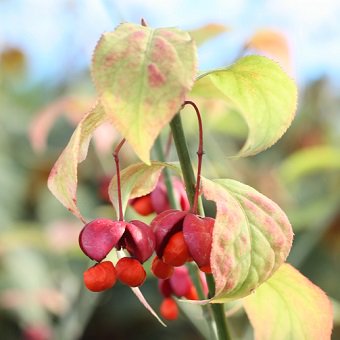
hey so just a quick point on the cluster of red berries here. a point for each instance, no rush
(100, 236)
(177, 237)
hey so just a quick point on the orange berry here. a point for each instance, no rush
(169, 309)
(160, 269)
(143, 205)
(100, 277)
(130, 272)
(192, 294)
(176, 252)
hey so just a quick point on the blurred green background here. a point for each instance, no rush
(45, 88)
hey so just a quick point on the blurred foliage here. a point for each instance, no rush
(41, 291)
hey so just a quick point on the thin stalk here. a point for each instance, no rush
(119, 191)
(189, 179)
(184, 157)
(206, 309)
(167, 176)
(218, 311)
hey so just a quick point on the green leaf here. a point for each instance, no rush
(142, 76)
(289, 306)
(62, 180)
(309, 161)
(251, 239)
(207, 32)
(136, 180)
(262, 93)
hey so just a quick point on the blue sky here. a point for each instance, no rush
(59, 35)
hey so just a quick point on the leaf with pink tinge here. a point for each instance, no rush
(99, 236)
(197, 233)
(142, 76)
(141, 240)
(252, 237)
(289, 306)
(62, 180)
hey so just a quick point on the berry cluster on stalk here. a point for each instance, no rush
(176, 236)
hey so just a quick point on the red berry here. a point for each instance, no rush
(143, 205)
(130, 272)
(176, 252)
(160, 269)
(192, 294)
(100, 277)
(169, 309)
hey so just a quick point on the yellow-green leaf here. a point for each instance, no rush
(62, 180)
(251, 238)
(289, 306)
(142, 76)
(136, 180)
(261, 92)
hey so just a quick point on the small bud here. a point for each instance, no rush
(100, 277)
(130, 272)
(169, 309)
(160, 269)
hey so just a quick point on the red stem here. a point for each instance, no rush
(200, 153)
(119, 191)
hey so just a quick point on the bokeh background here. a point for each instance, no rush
(45, 88)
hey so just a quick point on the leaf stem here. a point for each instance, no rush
(200, 153)
(167, 176)
(116, 158)
(189, 179)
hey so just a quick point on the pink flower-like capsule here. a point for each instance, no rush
(157, 201)
(181, 285)
(197, 235)
(101, 235)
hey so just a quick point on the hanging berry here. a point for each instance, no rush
(168, 309)
(130, 272)
(101, 235)
(161, 269)
(100, 277)
(184, 235)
